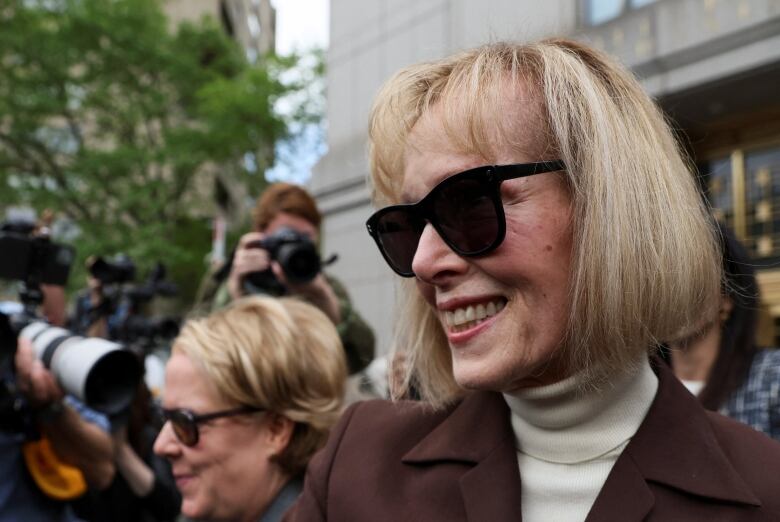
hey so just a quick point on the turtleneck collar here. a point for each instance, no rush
(562, 424)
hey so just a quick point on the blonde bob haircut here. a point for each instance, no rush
(645, 260)
(279, 354)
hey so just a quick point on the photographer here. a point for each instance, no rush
(142, 489)
(51, 445)
(78, 436)
(89, 317)
(99, 309)
(281, 209)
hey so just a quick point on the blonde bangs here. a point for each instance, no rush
(468, 90)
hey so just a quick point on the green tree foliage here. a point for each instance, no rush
(114, 118)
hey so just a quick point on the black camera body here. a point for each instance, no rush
(24, 256)
(295, 253)
(138, 330)
(120, 270)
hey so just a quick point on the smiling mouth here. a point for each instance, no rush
(182, 479)
(461, 319)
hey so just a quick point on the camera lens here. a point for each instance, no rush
(100, 373)
(300, 261)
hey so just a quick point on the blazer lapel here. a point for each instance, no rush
(478, 433)
(491, 490)
(674, 447)
(625, 496)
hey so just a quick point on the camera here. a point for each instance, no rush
(295, 253)
(100, 373)
(120, 270)
(122, 304)
(22, 254)
(134, 328)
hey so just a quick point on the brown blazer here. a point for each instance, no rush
(403, 463)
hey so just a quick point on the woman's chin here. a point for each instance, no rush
(473, 375)
(191, 509)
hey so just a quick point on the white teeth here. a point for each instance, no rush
(471, 315)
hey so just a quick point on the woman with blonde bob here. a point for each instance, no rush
(250, 394)
(553, 235)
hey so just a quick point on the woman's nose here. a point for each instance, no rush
(434, 260)
(166, 444)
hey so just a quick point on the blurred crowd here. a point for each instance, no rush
(577, 320)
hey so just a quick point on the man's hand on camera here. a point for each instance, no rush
(34, 380)
(245, 261)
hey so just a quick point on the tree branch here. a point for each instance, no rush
(73, 125)
(31, 165)
(44, 165)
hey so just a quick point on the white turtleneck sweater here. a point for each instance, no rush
(567, 441)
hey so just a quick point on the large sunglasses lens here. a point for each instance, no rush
(399, 233)
(184, 427)
(466, 215)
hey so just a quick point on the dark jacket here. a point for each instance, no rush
(282, 501)
(118, 502)
(390, 462)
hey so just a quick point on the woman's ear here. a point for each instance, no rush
(726, 307)
(278, 432)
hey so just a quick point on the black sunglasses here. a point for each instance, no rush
(464, 209)
(185, 422)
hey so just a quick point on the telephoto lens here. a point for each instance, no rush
(100, 373)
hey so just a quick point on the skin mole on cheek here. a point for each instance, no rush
(548, 248)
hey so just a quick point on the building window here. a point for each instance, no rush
(596, 12)
(762, 195)
(720, 190)
(744, 190)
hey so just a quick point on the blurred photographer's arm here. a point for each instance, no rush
(138, 475)
(318, 292)
(54, 304)
(76, 441)
(330, 296)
